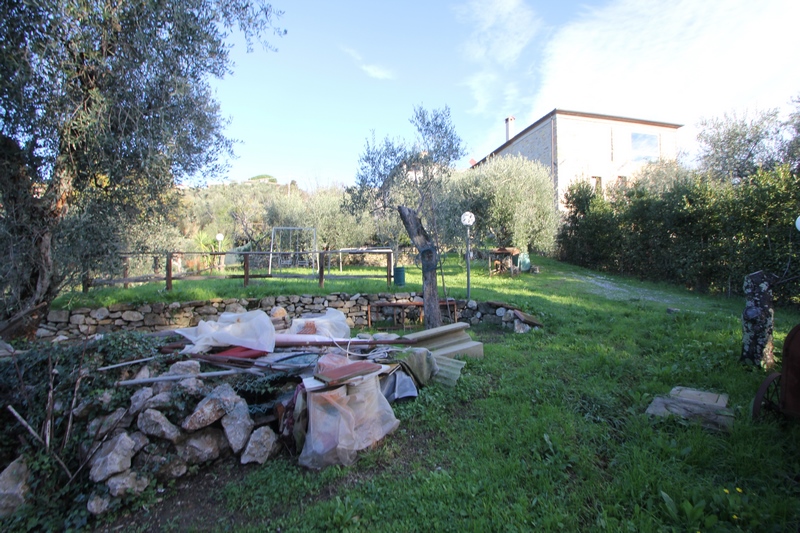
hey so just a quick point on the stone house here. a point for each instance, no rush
(606, 150)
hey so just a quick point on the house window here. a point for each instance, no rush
(644, 147)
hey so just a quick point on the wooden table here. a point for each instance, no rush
(498, 258)
(449, 303)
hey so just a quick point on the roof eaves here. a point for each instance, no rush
(566, 112)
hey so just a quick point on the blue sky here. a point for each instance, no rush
(347, 68)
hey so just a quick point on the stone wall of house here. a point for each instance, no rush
(84, 322)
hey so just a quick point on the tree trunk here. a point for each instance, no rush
(757, 320)
(29, 219)
(427, 252)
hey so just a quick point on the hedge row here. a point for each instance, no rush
(694, 231)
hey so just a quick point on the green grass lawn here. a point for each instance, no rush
(548, 431)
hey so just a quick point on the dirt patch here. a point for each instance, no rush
(195, 502)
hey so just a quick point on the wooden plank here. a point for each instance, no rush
(346, 372)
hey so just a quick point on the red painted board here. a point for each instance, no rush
(343, 373)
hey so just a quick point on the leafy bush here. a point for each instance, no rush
(706, 235)
(44, 385)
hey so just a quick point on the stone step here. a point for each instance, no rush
(468, 348)
(441, 337)
(443, 342)
(427, 334)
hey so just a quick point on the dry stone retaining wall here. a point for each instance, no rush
(84, 322)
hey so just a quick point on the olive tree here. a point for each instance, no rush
(513, 201)
(736, 145)
(395, 175)
(394, 172)
(103, 104)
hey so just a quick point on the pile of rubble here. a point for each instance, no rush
(336, 399)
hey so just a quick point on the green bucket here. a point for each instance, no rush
(400, 276)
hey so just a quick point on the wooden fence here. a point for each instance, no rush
(174, 269)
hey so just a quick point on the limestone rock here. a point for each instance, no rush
(132, 316)
(162, 399)
(143, 373)
(44, 332)
(113, 457)
(155, 424)
(58, 316)
(162, 387)
(102, 426)
(139, 399)
(235, 308)
(128, 482)
(100, 314)
(521, 327)
(158, 460)
(277, 312)
(184, 367)
(205, 445)
(211, 408)
(153, 319)
(260, 447)
(13, 486)
(140, 440)
(193, 386)
(238, 425)
(97, 504)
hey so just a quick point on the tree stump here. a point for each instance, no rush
(758, 320)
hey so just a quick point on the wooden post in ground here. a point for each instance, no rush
(169, 271)
(126, 270)
(246, 269)
(427, 252)
(389, 266)
(321, 270)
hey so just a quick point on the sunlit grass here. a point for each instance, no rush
(548, 431)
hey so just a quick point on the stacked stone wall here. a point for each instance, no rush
(81, 323)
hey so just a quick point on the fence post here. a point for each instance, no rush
(389, 265)
(321, 270)
(169, 271)
(126, 270)
(246, 268)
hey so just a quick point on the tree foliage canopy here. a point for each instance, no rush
(395, 172)
(103, 108)
(736, 146)
(513, 201)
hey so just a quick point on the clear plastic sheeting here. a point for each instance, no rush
(332, 324)
(252, 329)
(344, 420)
(330, 438)
(374, 417)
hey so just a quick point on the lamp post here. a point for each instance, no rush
(468, 219)
(220, 238)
